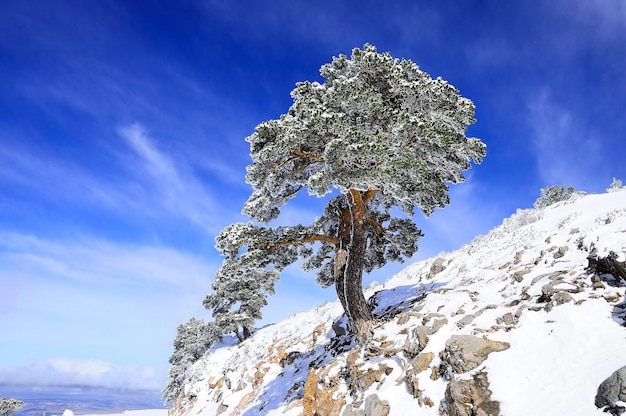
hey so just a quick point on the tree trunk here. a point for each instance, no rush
(246, 332)
(349, 275)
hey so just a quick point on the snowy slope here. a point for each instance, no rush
(550, 336)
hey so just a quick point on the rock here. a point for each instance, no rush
(428, 402)
(403, 318)
(429, 316)
(289, 358)
(318, 399)
(350, 410)
(437, 325)
(435, 372)
(466, 320)
(470, 397)
(612, 390)
(560, 252)
(422, 361)
(612, 297)
(556, 286)
(466, 352)
(505, 265)
(221, 409)
(597, 283)
(559, 298)
(412, 383)
(518, 276)
(418, 364)
(318, 330)
(562, 297)
(363, 380)
(538, 259)
(339, 326)
(508, 318)
(437, 267)
(416, 341)
(376, 407)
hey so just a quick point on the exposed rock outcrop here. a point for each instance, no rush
(319, 399)
(470, 398)
(466, 352)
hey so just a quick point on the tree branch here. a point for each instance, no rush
(321, 238)
(293, 192)
(309, 155)
(307, 239)
(369, 194)
(378, 227)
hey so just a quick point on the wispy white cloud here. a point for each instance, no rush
(144, 182)
(59, 180)
(607, 18)
(159, 165)
(89, 259)
(67, 372)
(565, 150)
(177, 189)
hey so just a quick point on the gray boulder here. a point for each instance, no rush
(466, 352)
(416, 341)
(611, 391)
(376, 407)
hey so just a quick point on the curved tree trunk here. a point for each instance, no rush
(349, 267)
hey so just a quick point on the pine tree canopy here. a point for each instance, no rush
(376, 123)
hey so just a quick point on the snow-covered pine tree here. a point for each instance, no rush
(553, 194)
(193, 339)
(243, 282)
(379, 132)
(9, 406)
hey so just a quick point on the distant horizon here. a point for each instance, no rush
(75, 386)
(80, 399)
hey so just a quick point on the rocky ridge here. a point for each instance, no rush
(512, 323)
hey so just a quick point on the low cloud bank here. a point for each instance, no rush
(66, 372)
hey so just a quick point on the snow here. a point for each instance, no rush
(568, 363)
(558, 356)
(144, 412)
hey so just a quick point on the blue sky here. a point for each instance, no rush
(122, 152)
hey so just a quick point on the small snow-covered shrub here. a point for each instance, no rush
(509, 226)
(193, 339)
(616, 185)
(9, 406)
(521, 218)
(553, 194)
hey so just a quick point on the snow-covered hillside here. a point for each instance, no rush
(509, 324)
